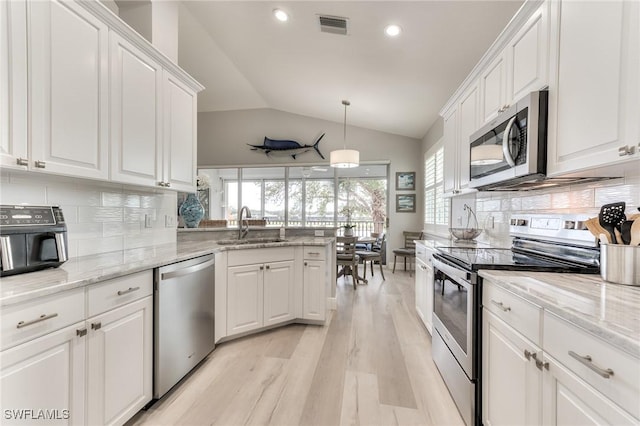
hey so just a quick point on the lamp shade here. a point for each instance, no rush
(344, 158)
(483, 155)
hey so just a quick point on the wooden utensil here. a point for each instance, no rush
(611, 215)
(594, 227)
(635, 233)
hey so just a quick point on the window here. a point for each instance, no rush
(302, 196)
(436, 208)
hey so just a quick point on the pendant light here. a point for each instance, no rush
(344, 158)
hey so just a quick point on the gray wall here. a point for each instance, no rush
(433, 135)
(223, 138)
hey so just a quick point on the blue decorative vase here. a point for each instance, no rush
(191, 211)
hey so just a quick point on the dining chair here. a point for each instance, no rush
(408, 251)
(375, 254)
(347, 258)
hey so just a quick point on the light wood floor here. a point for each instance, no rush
(370, 365)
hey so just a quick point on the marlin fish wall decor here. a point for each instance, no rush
(286, 147)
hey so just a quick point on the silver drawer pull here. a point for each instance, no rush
(43, 317)
(586, 360)
(127, 291)
(313, 253)
(501, 305)
(40, 164)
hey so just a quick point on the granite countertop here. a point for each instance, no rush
(82, 271)
(610, 311)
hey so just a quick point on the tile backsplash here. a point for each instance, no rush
(101, 217)
(495, 209)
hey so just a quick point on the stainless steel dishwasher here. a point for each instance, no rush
(183, 319)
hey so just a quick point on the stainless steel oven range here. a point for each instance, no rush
(551, 243)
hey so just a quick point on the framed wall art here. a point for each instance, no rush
(405, 203)
(405, 181)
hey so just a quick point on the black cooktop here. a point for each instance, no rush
(473, 259)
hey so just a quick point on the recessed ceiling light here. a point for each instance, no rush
(280, 15)
(392, 30)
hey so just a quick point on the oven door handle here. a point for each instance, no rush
(451, 271)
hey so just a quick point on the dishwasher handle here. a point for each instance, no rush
(186, 271)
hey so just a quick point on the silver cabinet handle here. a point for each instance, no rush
(96, 326)
(81, 332)
(261, 268)
(167, 184)
(268, 267)
(127, 291)
(5, 253)
(188, 270)
(42, 317)
(22, 162)
(40, 164)
(626, 150)
(528, 355)
(586, 360)
(313, 253)
(501, 305)
(305, 263)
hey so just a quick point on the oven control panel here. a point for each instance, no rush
(559, 227)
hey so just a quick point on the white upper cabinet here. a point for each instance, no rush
(13, 84)
(68, 60)
(527, 56)
(180, 135)
(459, 123)
(520, 68)
(494, 84)
(136, 132)
(593, 105)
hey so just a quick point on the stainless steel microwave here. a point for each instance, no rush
(511, 150)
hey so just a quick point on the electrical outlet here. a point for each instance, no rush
(147, 221)
(169, 222)
(319, 233)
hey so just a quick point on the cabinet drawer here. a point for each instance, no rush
(566, 342)
(522, 315)
(314, 253)
(28, 320)
(423, 253)
(253, 256)
(118, 291)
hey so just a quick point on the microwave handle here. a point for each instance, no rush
(6, 253)
(505, 143)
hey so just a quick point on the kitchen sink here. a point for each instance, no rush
(244, 241)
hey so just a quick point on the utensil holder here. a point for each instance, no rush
(620, 264)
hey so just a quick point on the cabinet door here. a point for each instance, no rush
(592, 110)
(13, 84)
(279, 292)
(136, 88)
(493, 85)
(120, 362)
(244, 298)
(450, 135)
(528, 56)
(180, 134)
(47, 373)
(421, 291)
(68, 54)
(314, 304)
(569, 400)
(511, 382)
(468, 113)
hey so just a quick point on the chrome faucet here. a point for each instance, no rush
(243, 232)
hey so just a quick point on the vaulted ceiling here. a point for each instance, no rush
(247, 59)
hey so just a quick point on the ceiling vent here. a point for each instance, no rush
(333, 24)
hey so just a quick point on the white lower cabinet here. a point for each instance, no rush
(314, 303)
(424, 286)
(120, 357)
(45, 377)
(562, 381)
(95, 371)
(259, 295)
(509, 370)
(278, 292)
